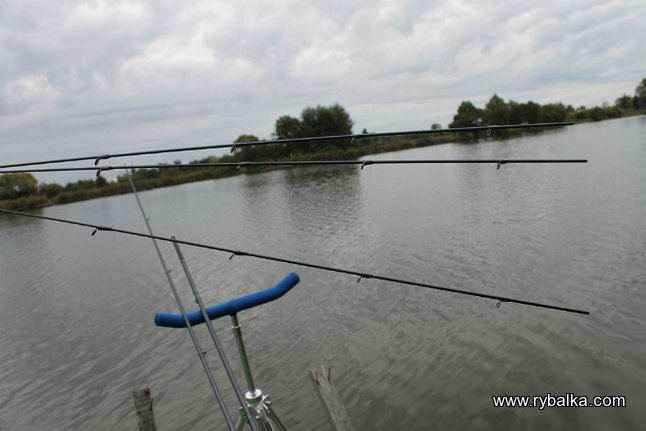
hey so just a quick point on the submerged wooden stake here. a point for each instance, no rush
(322, 381)
(144, 407)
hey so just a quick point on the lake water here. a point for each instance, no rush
(76, 311)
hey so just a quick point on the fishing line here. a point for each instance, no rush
(352, 137)
(361, 275)
(238, 165)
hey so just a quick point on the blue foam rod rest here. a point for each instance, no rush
(173, 320)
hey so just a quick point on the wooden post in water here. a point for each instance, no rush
(144, 407)
(322, 381)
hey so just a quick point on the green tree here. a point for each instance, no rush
(17, 185)
(101, 181)
(90, 184)
(553, 113)
(624, 102)
(467, 116)
(248, 153)
(496, 111)
(515, 113)
(531, 112)
(287, 128)
(320, 121)
(50, 190)
(246, 138)
(581, 113)
(326, 121)
(596, 113)
(640, 92)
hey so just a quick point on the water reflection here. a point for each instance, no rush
(323, 199)
(316, 207)
(8, 220)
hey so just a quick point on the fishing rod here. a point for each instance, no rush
(352, 137)
(238, 165)
(361, 275)
(194, 339)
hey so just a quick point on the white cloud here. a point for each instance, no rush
(30, 93)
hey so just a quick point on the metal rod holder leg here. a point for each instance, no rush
(257, 402)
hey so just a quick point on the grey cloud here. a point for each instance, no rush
(150, 74)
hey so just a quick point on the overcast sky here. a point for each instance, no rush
(93, 77)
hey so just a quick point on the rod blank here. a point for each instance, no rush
(303, 264)
(183, 316)
(361, 163)
(98, 158)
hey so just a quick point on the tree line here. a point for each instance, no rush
(497, 111)
(21, 190)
